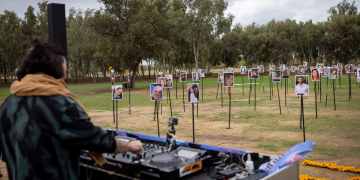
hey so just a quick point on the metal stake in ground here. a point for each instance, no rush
(277, 84)
(221, 97)
(250, 89)
(170, 104)
(262, 77)
(255, 97)
(327, 89)
(217, 92)
(129, 86)
(176, 88)
(270, 86)
(202, 89)
(315, 100)
(229, 106)
(112, 83)
(303, 117)
(157, 119)
(334, 94)
(349, 86)
(183, 95)
(243, 83)
(193, 122)
(116, 115)
(320, 88)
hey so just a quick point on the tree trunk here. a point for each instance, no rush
(104, 71)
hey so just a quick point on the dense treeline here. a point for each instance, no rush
(186, 34)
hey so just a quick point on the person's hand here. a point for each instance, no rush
(135, 147)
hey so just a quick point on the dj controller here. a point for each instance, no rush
(161, 161)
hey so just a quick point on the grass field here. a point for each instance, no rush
(336, 134)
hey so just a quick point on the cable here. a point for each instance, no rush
(242, 158)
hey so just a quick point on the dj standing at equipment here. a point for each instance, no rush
(43, 126)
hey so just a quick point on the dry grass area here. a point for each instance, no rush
(336, 134)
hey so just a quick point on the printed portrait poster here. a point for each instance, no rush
(198, 76)
(349, 68)
(261, 69)
(339, 73)
(168, 81)
(301, 69)
(297, 72)
(193, 76)
(320, 66)
(292, 69)
(285, 73)
(249, 73)
(243, 70)
(305, 64)
(358, 74)
(315, 74)
(202, 72)
(161, 80)
(112, 76)
(327, 71)
(117, 93)
(183, 76)
(177, 73)
(254, 73)
(340, 67)
(220, 78)
(271, 67)
(228, 79)
(160, 74)
(156, 92)
(193, 92)
(334, 73)
(230, 69)
(276, 75)
(302, 85)
(282, 66)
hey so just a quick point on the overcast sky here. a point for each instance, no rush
(245, 11)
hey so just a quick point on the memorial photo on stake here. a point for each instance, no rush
(230, 70)
(117, 93)
(315, 75)
(276, 75)
(282, 67)
(340, 67)
(302, 85)
(161, 80)
(243, 70)
(327, 71)
(229, 79)
(193, 75)
(156, 92)
(183, 76)
(160, 74)
(285, 73)
(292, 69)
(249, 73)
(358, 75)
(193, 92)
(339, 73)
(261, 69)
(202, 72)
(305, 64)
(333, 73)
(198, 76)
(254, 73)
(168, 81)
(301, 69)
(297, 72)
(220, 78)
(349, 68)
(271, 67)
(177, 73)
(320, 66)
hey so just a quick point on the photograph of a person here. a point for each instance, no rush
(229, 79)
(177, 73)
(261, 69)
(297, 72)
(183, 76)
(282, 67)
(243, 70)
(202, 72)
(156, 92)
(229, 69)
(198, 76)
(161, 80)
(301, 69)
(358, 75)
(254, 74)
(271, 67)
(117, 92)
(327, 71)
(292, 69)
(220, 78)
(349, 68)
(340, 67)
(249, 73)
(112, 76)
(193, 92)
(320, 66)
(339, 73)
(302, 85)
(333, 73)
(285, 73)
(160, 74)
(168, 81)
(276, 75)
(315, 75)
(305, 64)
(193, 76)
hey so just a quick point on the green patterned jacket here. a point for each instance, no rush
(41, 137)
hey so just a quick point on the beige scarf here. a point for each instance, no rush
(44, 85)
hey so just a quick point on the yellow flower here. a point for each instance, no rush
(127, 71)
(110, 68)
(175, 69)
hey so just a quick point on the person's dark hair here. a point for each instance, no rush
(42, 58)
(317, 73)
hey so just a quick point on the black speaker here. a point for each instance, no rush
(57, 25)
